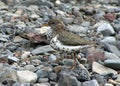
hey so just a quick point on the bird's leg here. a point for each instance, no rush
(75, 63)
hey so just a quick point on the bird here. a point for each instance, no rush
(63, 40)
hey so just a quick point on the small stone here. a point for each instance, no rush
(112, 63)
(18, 39)
(67, 20)
(68, 62)
(108, 84)
(105, 26)
(91, 83)
(77, 29)
(13, 58)
(42, 84)
(26, 84)
(110, 17)
(68, 80)
(53, 76)
(43, 49)
(109, 39)
(30, 68)
(118, 78)
(52, 58)
(109, 55)
(43, 80)
(32, 77)
(112, 48)
(85, 24)
(57, 69)
(100, 69)
(95, 55)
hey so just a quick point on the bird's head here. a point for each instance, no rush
(56, 24)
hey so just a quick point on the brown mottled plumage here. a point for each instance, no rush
(67, 37)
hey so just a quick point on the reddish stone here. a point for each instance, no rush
(95, 55)
(110, 17)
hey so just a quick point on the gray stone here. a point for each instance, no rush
(112, 63)
(52, 58)
(77, 29)
(67, 20)
(16, 84)
(7, 73)
(105, 26)
(68, 62)
(91, 83)
(112, 48)
(68, 80)
(109, 55)
(43, 80)
(108, 84)
(43, 49)
(101, 69)
(53, 76)
(30, 68)
(25, 84)
(85, 24)
(13, 58)
(109, 39)
(31, 76)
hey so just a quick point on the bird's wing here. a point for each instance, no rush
(69, 38)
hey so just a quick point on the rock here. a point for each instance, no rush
(95, 55)
(68, 80)
(108, 84)
(43, 80)
(85, 24)
(18, 39)
(68, 62)
(82, 74)
(110, 17)
(52, 58)
(91, 83)
(13, 59)
(53, 76)
(100, 69)
(109, 39)
(43, 49)
(112, 49)
(26, 84)
(57, 69)
(113, 63)
(7, 73)
(41, 73)
(42, 84)
(77, 29)
(67, 20)
(118, 78)
(109, 55)
(105, 26)
(30, 68)
(31, 78)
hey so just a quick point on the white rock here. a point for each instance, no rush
(109, 39)
(105, 26)
(26, 76)
(100, 69)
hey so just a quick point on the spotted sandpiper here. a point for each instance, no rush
(64, 40)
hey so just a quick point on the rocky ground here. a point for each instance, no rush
(26, 59)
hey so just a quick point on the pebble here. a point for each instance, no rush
(112, 63)
(91, 83)
(31, 78)
(68, 80)
(52, 58)
(101, 69)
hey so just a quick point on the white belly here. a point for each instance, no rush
(57, 45)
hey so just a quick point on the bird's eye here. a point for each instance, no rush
(53, 22)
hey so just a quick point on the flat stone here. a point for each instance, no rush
(68, 80)
(31, 76)
(118, 78)
(109, 55)
(52, 58)
(18, 39)
(43, 80)
(112, 63)
(108, 84)
(109, 39)
(100, 69)
(112, 48)
(91, 83)
(43, 49)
